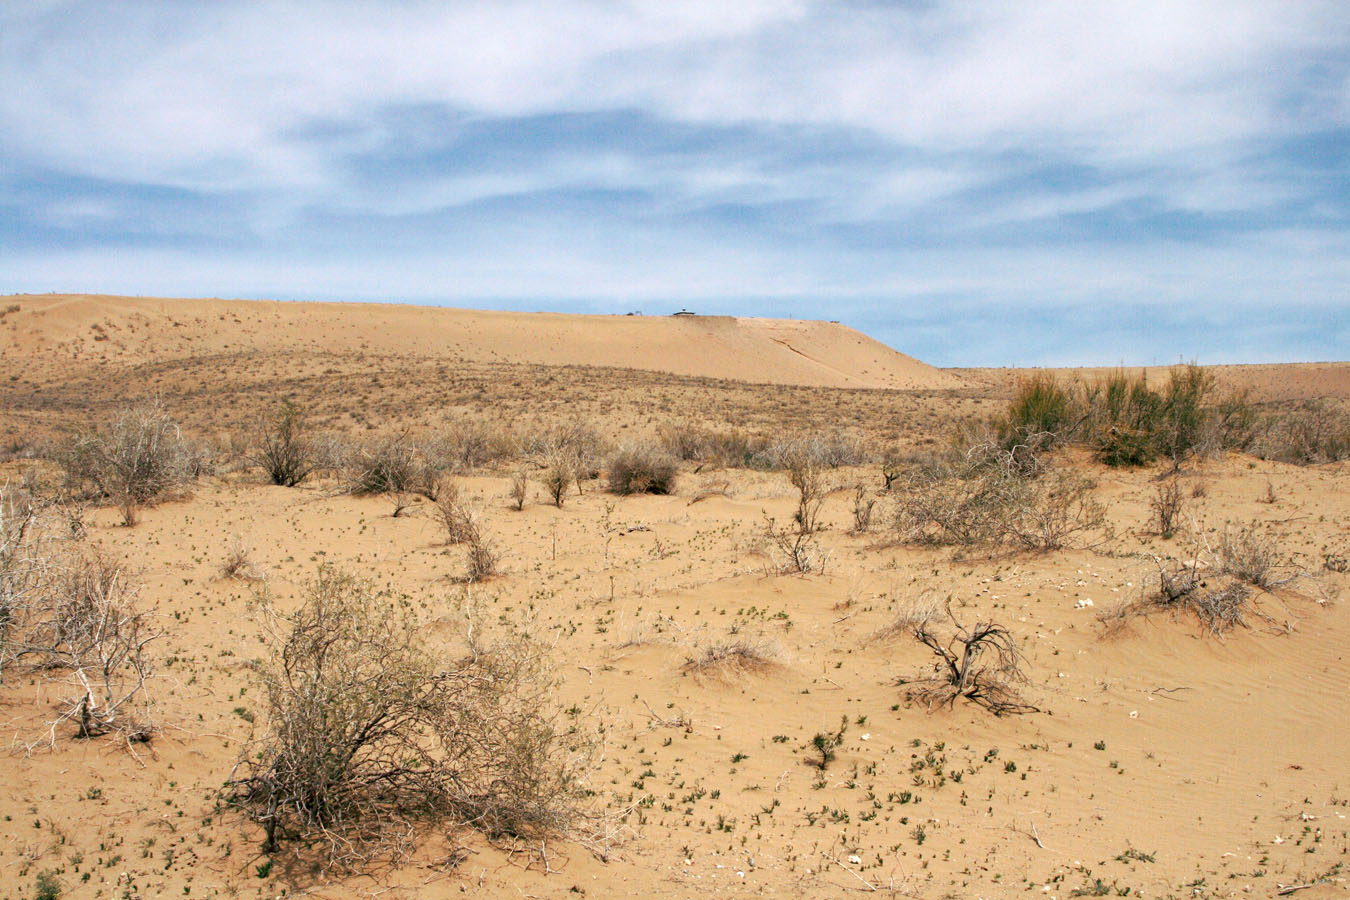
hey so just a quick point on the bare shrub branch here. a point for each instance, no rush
(980, 664)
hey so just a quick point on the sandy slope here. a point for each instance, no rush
(772, 351)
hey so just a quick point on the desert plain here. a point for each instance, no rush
(1153, 755)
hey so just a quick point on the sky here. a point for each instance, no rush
(992, 183)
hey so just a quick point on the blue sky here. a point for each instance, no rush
(993, 183)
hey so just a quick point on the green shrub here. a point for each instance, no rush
(285, 451)
(1040, 406)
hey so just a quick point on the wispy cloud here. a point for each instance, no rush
(1049, 175)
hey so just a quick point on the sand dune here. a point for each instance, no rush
(767, 351)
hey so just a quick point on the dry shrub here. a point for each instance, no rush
(463, 527)
(1249, 555)
(805, 471)
(135, 459)
(1218, 592)
(238, 563)
(642, 470)
(455, 517)
(520, 489)
(22, 569)
(728, 659)
(791, 550)
(724, 449)
(984, 498)
(466, 445)
(981, 664)
(863, 505)
(1166, 505)
(285, 451)
(560, 473)
(1312, 432)
(369, 735)
(75, 617)
(394, 465)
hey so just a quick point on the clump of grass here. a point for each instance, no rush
(238, 563)
(728, 659)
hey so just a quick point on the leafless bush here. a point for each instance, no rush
(393, 466)
(962, 670)
(285, 451)
(456, 518)
(985, 498)
(1314, 432)
(368, 736)
(727, 659)
(642, 470)
(1166, 505)
(560, 473)
(482, 562)
(84, 625)
(520, 488)
(1058, 511)
(22, 563)
(791, 550)
(1219, 594)
(136, 458)
(862, 509)
(807, 476)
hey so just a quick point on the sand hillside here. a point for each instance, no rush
(125, 330)
(1164, 761)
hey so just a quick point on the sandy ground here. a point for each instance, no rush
(1164, 762)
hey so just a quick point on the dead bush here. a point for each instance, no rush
(238, 563)
(285, 451)
(455, 517)
(368, 736)
(1312, 432)
(22, 570)
(558, 475)
(981, 664)
(83, 626)
(642, 470)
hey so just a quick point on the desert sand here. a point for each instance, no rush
(1163, 761)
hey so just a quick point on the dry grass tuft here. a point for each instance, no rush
(726, 660)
